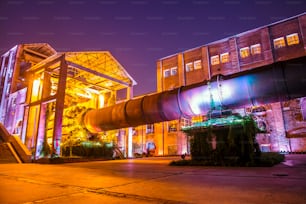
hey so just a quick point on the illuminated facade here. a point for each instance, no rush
(44, 95)
(56, 100)
(285, 120)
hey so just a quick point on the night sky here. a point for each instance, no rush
(136, 32)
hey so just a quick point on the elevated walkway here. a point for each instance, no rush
(12, 150)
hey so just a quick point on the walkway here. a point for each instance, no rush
(152, 180)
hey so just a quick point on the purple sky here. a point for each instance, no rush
(136, 32)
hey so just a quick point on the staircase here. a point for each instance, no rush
(12, 150)
(8, 154)
(118, 152)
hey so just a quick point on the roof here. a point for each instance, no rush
(41, 49)
(97, 69)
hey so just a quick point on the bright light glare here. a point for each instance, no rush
(36, 86)
(226, 92)
(88, 95)
(201, 99)
(101, 101)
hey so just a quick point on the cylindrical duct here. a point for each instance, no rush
(268, 84)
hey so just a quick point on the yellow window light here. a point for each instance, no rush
(293, 39)
(101, 101)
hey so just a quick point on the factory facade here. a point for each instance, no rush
(44, 94)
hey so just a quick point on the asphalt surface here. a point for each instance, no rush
(152, 180)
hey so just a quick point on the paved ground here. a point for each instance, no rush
(152, 180)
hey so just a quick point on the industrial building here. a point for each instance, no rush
(269, 46)
(52, 100)
(45, 93)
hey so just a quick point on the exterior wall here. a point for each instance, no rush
(170, 143)
(276, 117)
(279, 142)
(196, 74)
(286, 127)
(295, 124)
(302, 24)
(278, 31)
(247, 40)
(159, 75)
(227, 46)
(298, 144)
(172, 80)
(8, 61)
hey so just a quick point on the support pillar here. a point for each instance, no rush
(278, 137)
(130, 129)
(59, 108)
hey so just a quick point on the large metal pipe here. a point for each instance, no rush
(277, 82)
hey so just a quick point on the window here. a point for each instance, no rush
(197, 64)
(279, 43)
(244, 52)
(214, 60)
(255, 49)
(173, 71)
(189, 67)
(224, 57)
(172, 126)
(185, 122)
(197, 119)
(149, 128)
(166, 73)
(293, 39)
(134, 131)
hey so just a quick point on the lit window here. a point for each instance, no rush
(101, 101)
(150, 128)
(293, 39)
(172, 126)
(224, 57)
(189, 67)
(279, 42)
(36, 89)
(134, 132)
(185, 122)
(166, 73)
(197, 119)
(173, 71)
(255, 49)
(197, 64)
(244, 52)
(214, 60)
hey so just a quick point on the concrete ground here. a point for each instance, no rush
(152, 180)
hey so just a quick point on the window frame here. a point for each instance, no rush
(276, 46)
(254, 49)
(293, 41)
(185, 122)
(244, 52)
(168, 71)
(190, 66)
(173, 71)
(149, 128)
(226, 56)
(172, 126)
(197, 64)
(214, 60)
